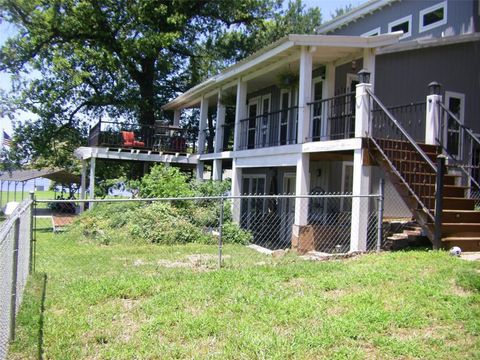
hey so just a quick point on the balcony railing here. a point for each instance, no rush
(333, 118)
(162, 138)
(270, 129)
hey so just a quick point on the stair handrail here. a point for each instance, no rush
(403, 131)
(471, 135)
(454, 117)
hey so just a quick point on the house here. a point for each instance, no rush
(337, 112)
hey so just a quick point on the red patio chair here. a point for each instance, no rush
(128, 138)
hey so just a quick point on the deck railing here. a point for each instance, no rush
(270, 129)
(333, 118)
(165, 138)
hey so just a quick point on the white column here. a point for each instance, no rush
(240, 112)
(200, 169)
(176, 117)
(328, 91)
(432, 120)
(360, 206)
(304, 94)
(302, 187)
(83, 184)
(369, 64)
(217, 169)
(202, 125)
(236, 188)
(92, 181)
(361, 173)
(221, 110)
(202, 135)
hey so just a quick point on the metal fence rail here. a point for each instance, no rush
(15, 255)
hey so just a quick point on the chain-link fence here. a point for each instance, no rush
(313, 223)
(15, 255)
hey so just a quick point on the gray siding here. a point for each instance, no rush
(461, 18)
(403, 77)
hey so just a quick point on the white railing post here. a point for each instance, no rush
(433, 126)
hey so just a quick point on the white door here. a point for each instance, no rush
(285, 101)
(455, 102)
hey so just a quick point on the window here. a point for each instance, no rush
(373, 32)
(433, 16)
(403, 24)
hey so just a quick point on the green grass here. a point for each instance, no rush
(160, 302)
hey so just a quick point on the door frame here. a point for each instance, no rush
(323, 125)
(283, 92)
(461, 96)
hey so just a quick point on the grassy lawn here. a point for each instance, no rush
(164, 302)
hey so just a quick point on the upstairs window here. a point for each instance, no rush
(373, 32)
(433, 16)
(403, 24)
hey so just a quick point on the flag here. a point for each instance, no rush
(7, 140)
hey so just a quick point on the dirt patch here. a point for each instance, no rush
(199, 262)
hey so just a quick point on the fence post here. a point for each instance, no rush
(381, 198)
(13, 298)
(437, 237)
(32, 241)
(220, 233)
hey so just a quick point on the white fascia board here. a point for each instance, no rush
(216, 156)
(104, 153)
(262, 161)
(339, 41)
(359, 12)
(269, 151)
(332, 145)
(428, 42)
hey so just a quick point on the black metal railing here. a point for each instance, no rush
(333, 118)
(412, 118)
(462, 147)
(270, 129)
(414, 168)
(113, 134)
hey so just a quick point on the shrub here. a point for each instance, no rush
(233, 234)
(164, 181)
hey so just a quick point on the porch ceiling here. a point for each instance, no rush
(263, 66)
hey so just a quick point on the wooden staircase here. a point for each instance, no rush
(415, 181)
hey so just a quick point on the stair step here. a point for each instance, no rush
(448, 190)
(467, 243)
(460, 229)
(464, 216)
(457, 203)
(428, 178)
(399, 143)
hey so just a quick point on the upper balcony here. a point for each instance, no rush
(160, 137)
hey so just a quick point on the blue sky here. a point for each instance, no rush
(6, 30)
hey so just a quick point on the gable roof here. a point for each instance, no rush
(57, 175)
(351, 16)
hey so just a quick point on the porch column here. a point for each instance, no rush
(328, 91)
(432, 119)
(302, 234)
(200, 169)
(83, 184)
(219, 133)
(304, 94)
(176, 117)
(236, 190)
(92, 180)
(369, 64)
(202, 135)
(361, 174)
(240, 112)
(221, 110)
